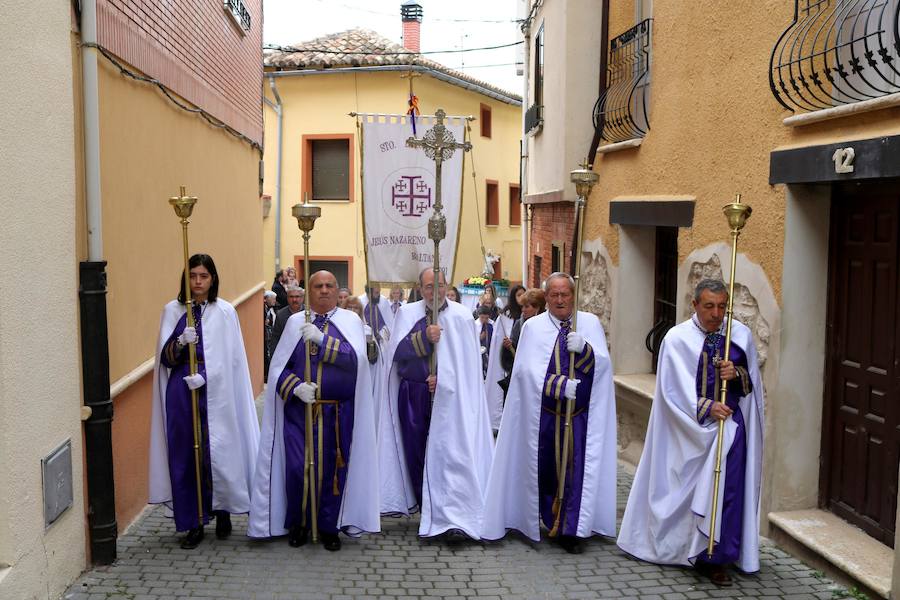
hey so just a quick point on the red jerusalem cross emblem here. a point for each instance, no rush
(411, 195)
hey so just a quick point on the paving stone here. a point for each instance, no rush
(397, 565)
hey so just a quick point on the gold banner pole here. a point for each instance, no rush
(184, 206)
(306, 216)
(737, 215)
(584, 179)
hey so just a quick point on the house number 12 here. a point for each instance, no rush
(843, 160)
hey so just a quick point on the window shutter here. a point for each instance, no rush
(330, 169)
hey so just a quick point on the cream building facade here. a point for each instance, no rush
(95, 145)
(748, 100)
(40, 370)
(310, 97)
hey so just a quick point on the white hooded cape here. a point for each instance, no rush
(502, 328)
(512, 497)
(359, 505)
(231, 414)
(667, 517)
(384, 307)
(460, 445)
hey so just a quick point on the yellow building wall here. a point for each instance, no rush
(148, 149)
(320, 104)
(713, 124)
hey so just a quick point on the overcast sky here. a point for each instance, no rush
(447, 25)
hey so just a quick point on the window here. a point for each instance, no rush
(539, 67)
(665, 288)
(536, 270)
(340, 266)
(534, 117)
(557, 259)
(485, 121)
(328, 167)
(498, 270)
(515, 205)
(492, 204)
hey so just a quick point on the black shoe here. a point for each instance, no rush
(718, 574)
(571, 544)
(193, 538)
(297, 536)
(223, 524)
(331, 541)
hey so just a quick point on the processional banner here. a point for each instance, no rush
(398, 194)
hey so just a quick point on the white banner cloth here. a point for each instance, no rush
(399, 195)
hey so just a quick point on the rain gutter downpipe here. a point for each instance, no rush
(98, 412)
(278, 107)
(523, 155)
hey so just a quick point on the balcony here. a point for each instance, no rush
(836, 52)
(620, 113)
(534, 118)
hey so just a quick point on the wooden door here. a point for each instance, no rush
(860, 429)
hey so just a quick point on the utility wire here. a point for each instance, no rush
(394, 15)
(291, 49)
(171, 96)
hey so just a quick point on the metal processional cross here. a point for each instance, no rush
(439, 145)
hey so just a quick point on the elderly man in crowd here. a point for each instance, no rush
(435, 444)
(295, 297)
(667, 519)
(320, 363)
(524, 485)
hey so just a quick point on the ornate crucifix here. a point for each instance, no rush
(439, 145)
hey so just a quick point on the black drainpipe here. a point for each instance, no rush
(595, 142)
(98, 427)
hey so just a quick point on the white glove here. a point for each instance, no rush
(575, 342)
(188, 336)
(385, 333)
(312, 334)
(367, 330)
(571, 386)
(483, 350)
(306, 392)
(194, 381)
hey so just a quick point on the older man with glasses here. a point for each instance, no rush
(435, 443)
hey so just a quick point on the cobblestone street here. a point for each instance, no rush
(396, 564)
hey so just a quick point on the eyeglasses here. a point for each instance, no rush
(430, 287)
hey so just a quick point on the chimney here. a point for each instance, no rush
(411, 16)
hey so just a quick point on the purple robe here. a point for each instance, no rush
(553, 403)
(484, 338)
(414, 400)
(373, 316)
(333, 368)
(180, 429)
(728, 549)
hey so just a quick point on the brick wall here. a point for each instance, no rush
(194, 48)
(550, 222)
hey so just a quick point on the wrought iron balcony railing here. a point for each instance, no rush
(534, 117)
(837, 52)
(621, 111)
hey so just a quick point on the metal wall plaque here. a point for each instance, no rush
(56, 469)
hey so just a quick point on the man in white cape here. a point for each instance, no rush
(435, 453)
(228, 423)
(523, 486)
(344, 428)
(376, 310)
(667, 519)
